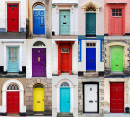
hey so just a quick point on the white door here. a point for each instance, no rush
(90, 98)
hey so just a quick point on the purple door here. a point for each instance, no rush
(38, 62)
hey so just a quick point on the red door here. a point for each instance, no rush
(12, 17)
(64, 62)
(117, 97)
(12, 102)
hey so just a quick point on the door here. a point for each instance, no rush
(90, 24)
(12, 102)
(117, 97)
(65, 99)
(64, 22)
(38, 62)
(90, 97)
(65, 60)
(117, 58)
(13, 59)
(38, 98)
(90, 59)
(12, 17)
(116, 27)
(38, 20)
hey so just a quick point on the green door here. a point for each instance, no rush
(64, 22)
(117, 58)
(90, 23)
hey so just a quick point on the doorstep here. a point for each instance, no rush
(90, 115)
(64, 114)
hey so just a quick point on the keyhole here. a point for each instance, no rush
(64, 16)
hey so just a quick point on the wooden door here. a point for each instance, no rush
(13, 17)
(117, 97)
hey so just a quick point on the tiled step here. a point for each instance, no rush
(65, 115)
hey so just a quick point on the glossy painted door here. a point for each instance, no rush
(90, 23)
(90, 97)
(12, 102)
(12, 17)
(65, 99)
(38, 20)
(117, 97)
(38, 98)
(13, 59)
(117, 58)
(64, 22)
(64, 62)
(90, 59)
(116, 22)
(38, 62)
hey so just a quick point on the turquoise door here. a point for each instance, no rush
(13, 59)
(90, 23)
(65, 99)
(64, 22)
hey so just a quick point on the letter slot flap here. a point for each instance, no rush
(90, 101)
(38, 101)
(41, 25)
(64, 22)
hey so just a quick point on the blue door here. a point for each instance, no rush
(13, 59)
(65, 99)
(38, 20)
(90, 59)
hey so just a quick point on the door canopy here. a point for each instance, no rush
(91, 6)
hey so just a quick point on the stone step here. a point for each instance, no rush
(65, 115)
(91, 74)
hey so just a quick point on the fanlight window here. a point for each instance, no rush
(65, 84)
(39, 43)
(39, 7)
(38, 86)
(91, 8)
(13, 87)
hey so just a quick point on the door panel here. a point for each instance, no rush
(117, 58)
(38, 62)
(90, 98)
(12, 17)
(90, 59)
(13, 59)
(117, 97)
(38, 21)
(90, 23)
(38, 99)
(64, 99)
(12, 102)
(64, 22)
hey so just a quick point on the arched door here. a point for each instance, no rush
(38, 19)
(38, 98)
(12, 98)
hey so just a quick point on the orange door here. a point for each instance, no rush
(64, 62)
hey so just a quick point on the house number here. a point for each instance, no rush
(38, 58)
(38, 51)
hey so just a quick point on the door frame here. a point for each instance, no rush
(6, 15)
(22, 108)
(39, 3)
(116, 6)
(83, 84)
(70, 43)
(110, 55)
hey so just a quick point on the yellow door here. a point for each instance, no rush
(38, 98)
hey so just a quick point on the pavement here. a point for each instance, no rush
(90, 115)
(12, 35)
(117, 115)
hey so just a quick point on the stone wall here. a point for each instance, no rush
(99, 80)
(30, 82)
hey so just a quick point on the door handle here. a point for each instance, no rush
(68, 101)
(64, 23)
(41, 25)
(43, 99)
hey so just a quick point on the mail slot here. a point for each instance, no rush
(90, 101)
(41, 25)
(12, 19)
(90, 61)
(38, 101)
(116, 65)
(64, 23)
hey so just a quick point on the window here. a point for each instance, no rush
(65, 84)
(38, 86)
(13, 87)
(90, 45)
(116, 12)
(91, 8)
(39, 7)
(64, 50)
(12, 54)
(39, 43)
(103, 51)
(12, 5)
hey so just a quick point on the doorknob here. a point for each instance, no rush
(43, 99)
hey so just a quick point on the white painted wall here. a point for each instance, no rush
(22, 13)
(99, 17)
(4, 44)
(73, 15)
(73, 81)
(74, 56)
(48, 46)
(82, 64)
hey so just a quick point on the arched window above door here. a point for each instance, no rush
(12, 87)
(91, 8)
(37, 7)
(65, 84)
(38, 86)
(39, 43)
